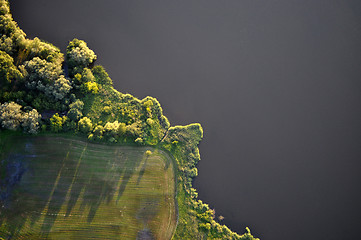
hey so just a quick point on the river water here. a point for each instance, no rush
(276, 86)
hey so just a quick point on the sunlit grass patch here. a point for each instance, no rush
(71, 189)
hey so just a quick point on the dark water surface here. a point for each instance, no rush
(276, 86)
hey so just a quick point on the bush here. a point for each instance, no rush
(107, 110)
(90, 87)
(85, 125)
(98, 132)
(111, 129)
(56, 122)
(101, 76)
(74, 114)
(78, 104)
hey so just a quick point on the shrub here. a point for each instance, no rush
(90, 87)
(107, 110)
(74, 114)
(85, 125)
(98, 132)
(101, 76)
(56, 122)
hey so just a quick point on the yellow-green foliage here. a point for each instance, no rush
(12, 37)
(148, 153)
(8, 71)
(90, 87)
(56, 122)
(38, 48)
(85, 125)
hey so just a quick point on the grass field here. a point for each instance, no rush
(65, 188)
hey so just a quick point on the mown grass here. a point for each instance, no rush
(72, 189)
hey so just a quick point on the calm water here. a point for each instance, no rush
(275, 84)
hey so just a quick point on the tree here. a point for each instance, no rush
(43, 50)
(12, 118)
(133, 130)
(11, 115)
(30, 122)
(8, 71)
(78, 104)
(46, 77)
(75, 112)
(60, 89)
(41, 70)
(111, 129)
(78, 56)
(107, 110)
(87, 76)
(12, 36)
(85, 125)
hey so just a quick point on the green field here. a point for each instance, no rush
(72, 189)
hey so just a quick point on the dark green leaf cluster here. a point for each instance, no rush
(75, 111)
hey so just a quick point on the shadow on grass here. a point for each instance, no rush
(130, 165)
(62, 174)
(142, 170)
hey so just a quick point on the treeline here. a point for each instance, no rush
(71, 94)
(40, 90)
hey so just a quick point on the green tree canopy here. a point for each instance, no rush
(12, 118)
(30, 122)
(76, 108)
(11, 115)
(79, 56)
(8, 71)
